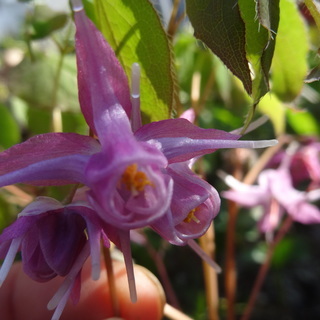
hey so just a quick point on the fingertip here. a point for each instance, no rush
(151, 297)
(21, 297)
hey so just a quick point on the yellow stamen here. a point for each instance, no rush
(135, 180)
(191, 216)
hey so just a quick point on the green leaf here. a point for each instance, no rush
(134, 31)
(44, 21)
(303, 122)
(10, 133)
(268, 15)
(271, 106)
(260, 40)
(219, 25)
(289, 65)
(38, 91)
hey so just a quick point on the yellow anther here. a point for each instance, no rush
(135, 180)
(191, 216)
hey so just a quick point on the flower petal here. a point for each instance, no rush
(180, 140)
(52, 158)
(244, 194)
(101, 80)
(305, 213)
(127, 184)
(61, 237)
(194, 205)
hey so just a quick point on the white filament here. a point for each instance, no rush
(9, 259)
(135, 97)
(198, 250)
(77, 5)
(135, 80)
(230, 181)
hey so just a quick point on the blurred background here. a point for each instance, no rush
(38, 94)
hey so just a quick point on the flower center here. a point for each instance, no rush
(191, 216)
(134, 180)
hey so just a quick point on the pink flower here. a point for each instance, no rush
(54, 240)
(276, 195)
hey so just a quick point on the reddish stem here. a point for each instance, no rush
(265, 267)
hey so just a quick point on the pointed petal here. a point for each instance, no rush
(101, 80)
(244, 194)
(203, 255)
(305, 213)
(124, 237)
(166, 229)
(69, 279)
(52, 158)
(16, 229)
(247, 198)
(62, 303)
(180, 140)
(194, 205)
(9, 259)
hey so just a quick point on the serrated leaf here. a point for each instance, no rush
(37, 91)
(219, 25)
(134, 31)
(289, 65)
(268, 15)
(259, 21)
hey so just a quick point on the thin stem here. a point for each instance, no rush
(174, 19)
(158, 259)
(174, 314)
(265, 267)
(56, 112)
(30, 51)
(111, 281)
(210, 275)
(230, 267)
(21, 196)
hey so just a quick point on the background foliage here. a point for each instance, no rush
(272, 49)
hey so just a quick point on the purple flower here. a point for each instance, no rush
(125, 171)
(194, 205)
(305, 163)
(136, 174)
(276, 194)
(54, 240)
